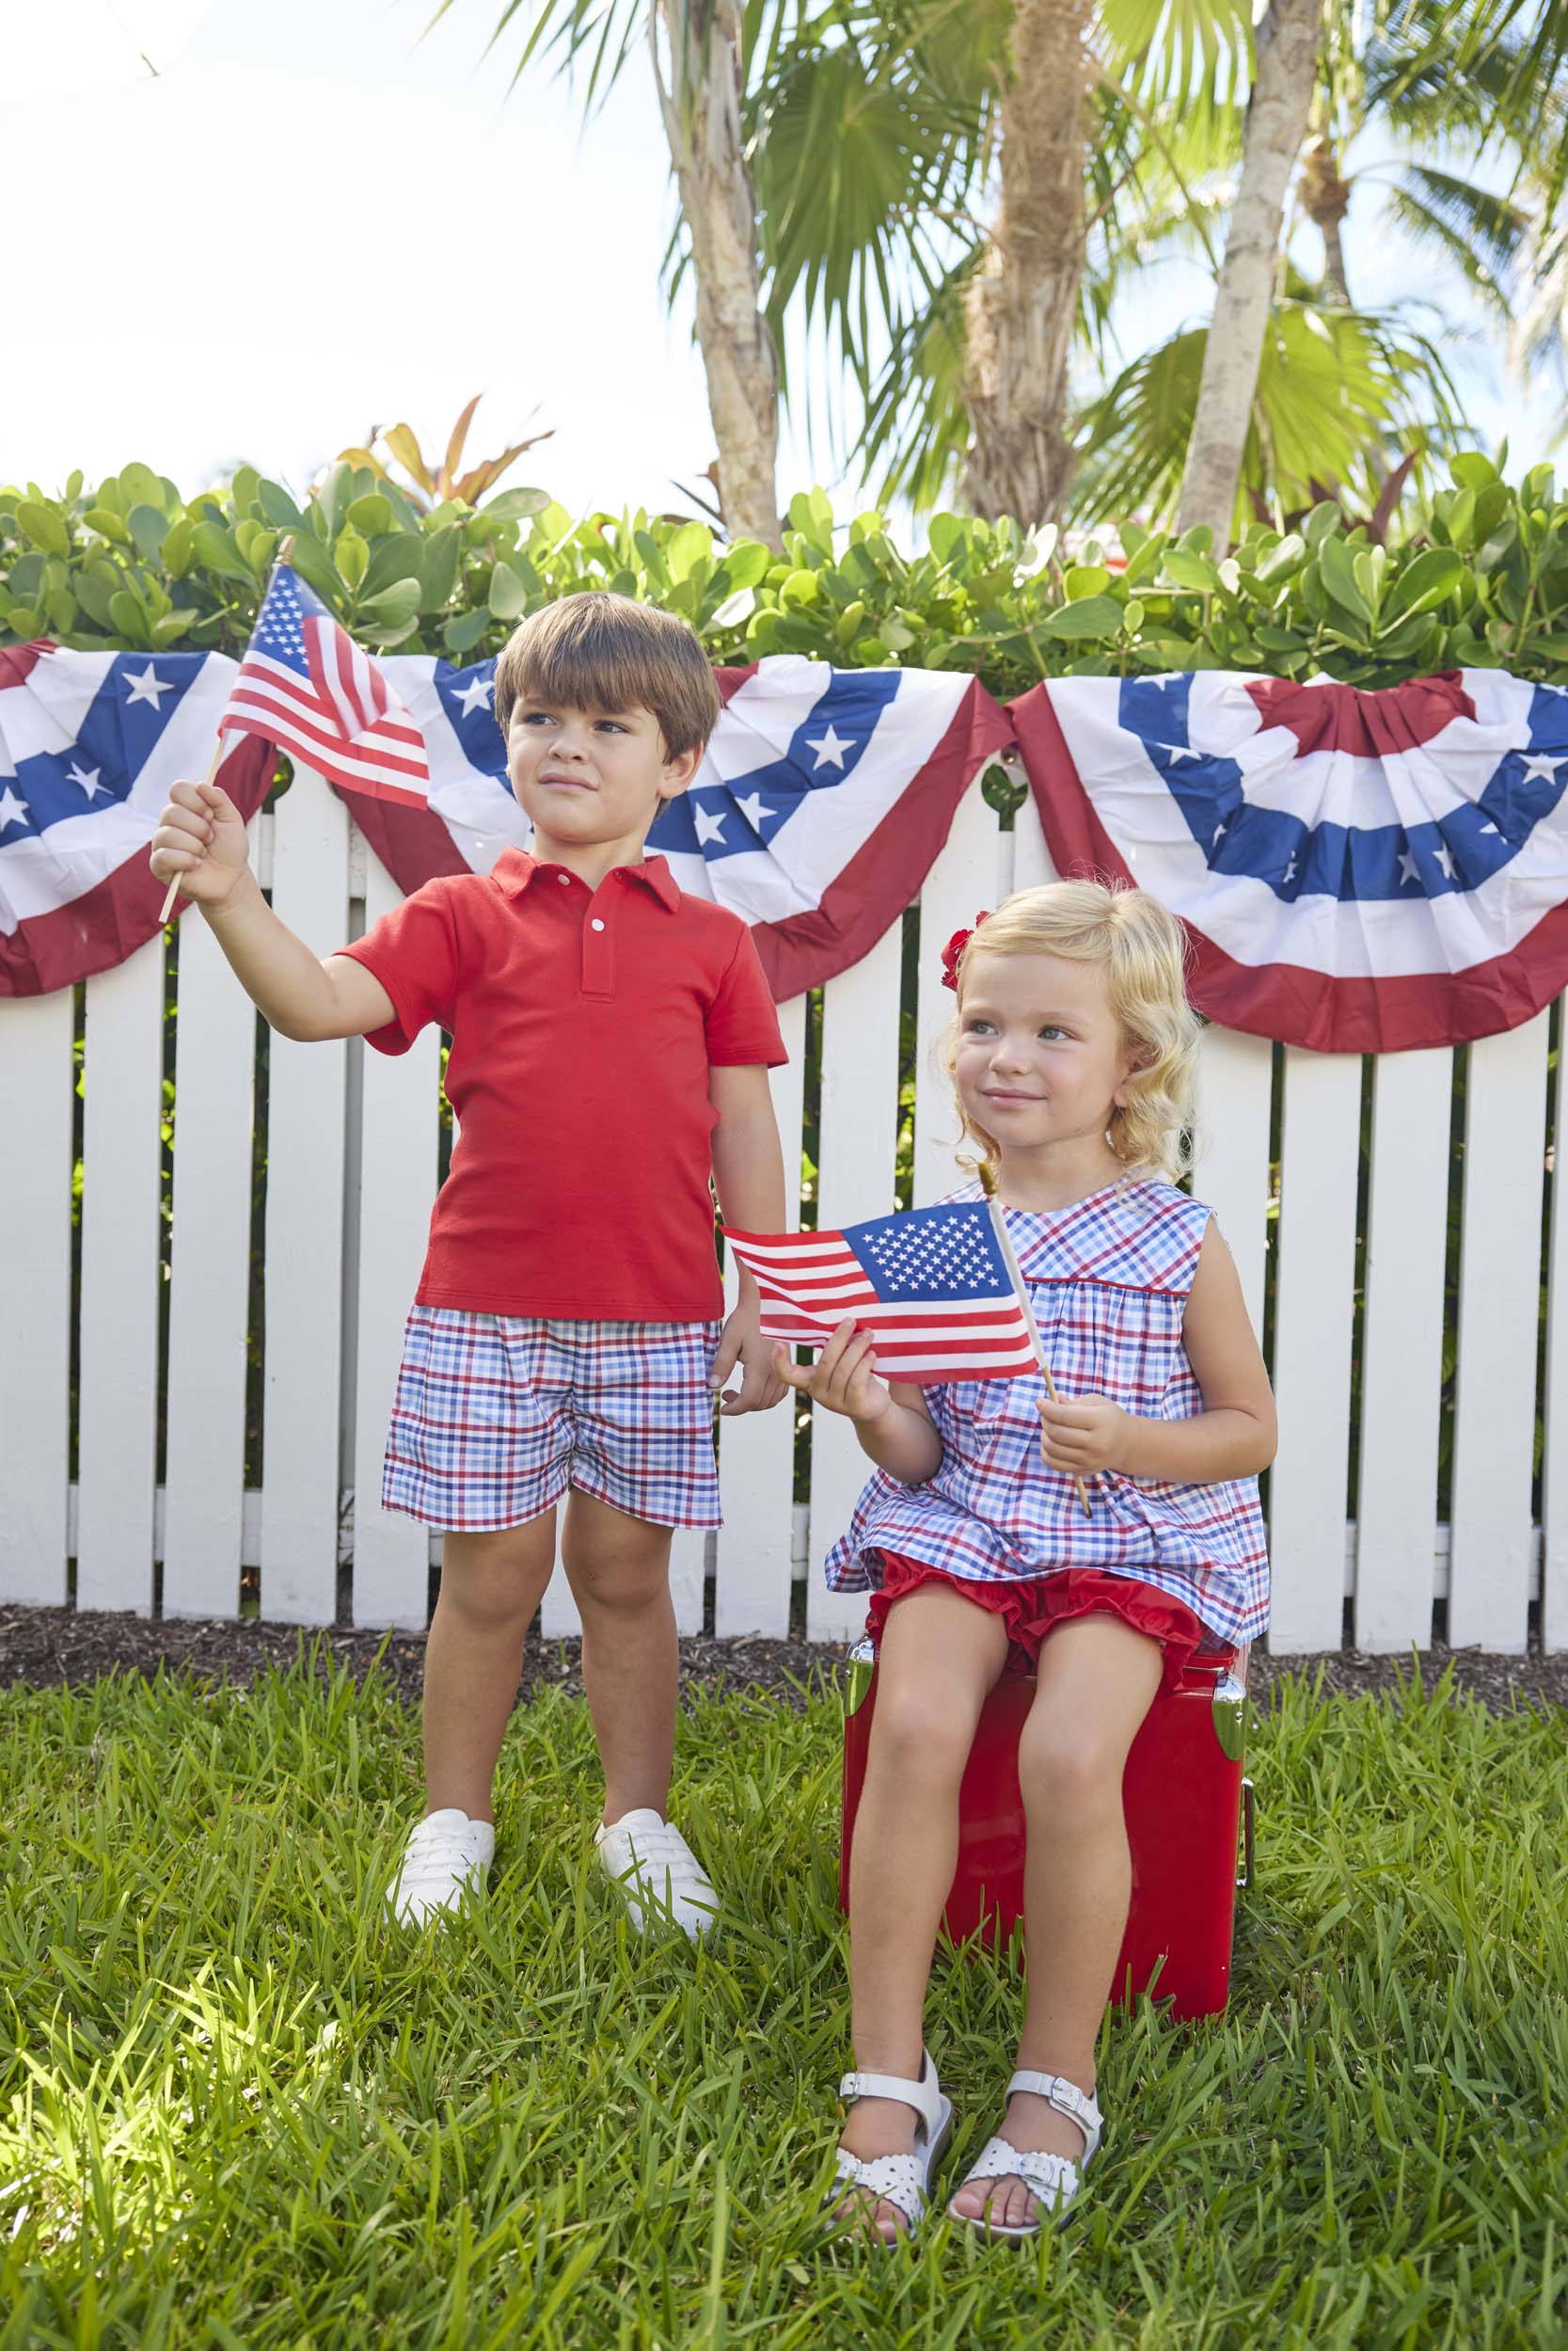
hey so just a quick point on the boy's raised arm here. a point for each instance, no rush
(200, 842)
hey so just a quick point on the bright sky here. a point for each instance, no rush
(311, 221)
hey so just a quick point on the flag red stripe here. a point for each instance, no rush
(390, 727)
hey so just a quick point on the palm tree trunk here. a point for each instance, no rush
(1325, 201)
(1023, 301)
(699, 95)
(1276, 118)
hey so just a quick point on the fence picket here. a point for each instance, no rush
(1312, 1348)
(399, 1154)
(122, 1090)
(856, 1168)
(1230, 1156)
(301, 1474)
(1030, 859)
(208, 1281)
(962, 880)
(1402, 1351)
(756, 1454)
(36, 1069)
(1499, 1271)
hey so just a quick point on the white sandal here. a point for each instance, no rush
(902, 2181)
(1052, 2180)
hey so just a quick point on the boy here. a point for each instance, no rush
(610, 1045)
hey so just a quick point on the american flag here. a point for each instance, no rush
(932, 1286)
(307, 687)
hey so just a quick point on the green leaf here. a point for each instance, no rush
(1086, 580)
(148, 527)
(140, 486)
(276, 506)
(745, 563)
(44, 525)
(1189, 569)
(1471, 470)
(243, 490)
(1337, 565)
(127, 618)
(462, 634)
(393, 608)
(800, 587)
(315, 567)
(1097, 618)
(24, 621)
(947, 534)
(397, 556)
(215, 546)
(516, 505)
(439, 557)
(508, 597)
(1435, 574)
(107, 524)
(351, 555)
(371, 515)
(687, 549)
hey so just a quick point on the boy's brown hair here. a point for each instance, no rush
(601, 652)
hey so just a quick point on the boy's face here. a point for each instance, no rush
(590, 778)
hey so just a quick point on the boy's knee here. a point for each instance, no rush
(493, 1584)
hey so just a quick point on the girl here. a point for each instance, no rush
(1072, 1055)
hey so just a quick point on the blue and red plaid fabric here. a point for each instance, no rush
(495, 1415)
(1108, 1279)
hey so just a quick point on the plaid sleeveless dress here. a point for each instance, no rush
(1108, 1279)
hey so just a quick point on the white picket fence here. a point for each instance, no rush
(352, 1169)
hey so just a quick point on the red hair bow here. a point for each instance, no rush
(954, 949)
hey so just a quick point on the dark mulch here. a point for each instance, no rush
(48, 1646)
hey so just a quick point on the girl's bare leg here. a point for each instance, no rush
(939, 1656)
(1097, 1679)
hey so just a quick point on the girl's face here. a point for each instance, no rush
(1041, 1061)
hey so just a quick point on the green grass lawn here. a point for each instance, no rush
(236, 2110)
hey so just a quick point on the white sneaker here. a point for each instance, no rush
(446, 1855)
(657, 1871)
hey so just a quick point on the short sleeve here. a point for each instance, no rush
(742, 1028)
(413, 952)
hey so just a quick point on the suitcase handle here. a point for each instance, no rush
(1245, 1881)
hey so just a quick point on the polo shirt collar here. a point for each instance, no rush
(514, 868)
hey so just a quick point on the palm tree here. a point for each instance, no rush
(1278, 110)
(697, 49)
(1433, 73)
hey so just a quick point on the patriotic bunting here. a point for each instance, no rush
(90, 744)
(1359, 872)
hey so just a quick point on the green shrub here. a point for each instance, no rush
(1481, 579)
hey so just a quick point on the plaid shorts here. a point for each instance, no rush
(495, 1415)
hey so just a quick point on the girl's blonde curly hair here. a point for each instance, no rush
(1145, 952)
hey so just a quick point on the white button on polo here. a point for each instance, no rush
(595, 924)
(565, 880)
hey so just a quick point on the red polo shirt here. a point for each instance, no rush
(583, 1026)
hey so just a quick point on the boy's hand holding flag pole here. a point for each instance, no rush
(307, 688)
(938, 1290)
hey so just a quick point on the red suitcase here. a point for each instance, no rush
(1186, 1801)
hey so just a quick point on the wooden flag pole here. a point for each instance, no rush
(285, 550)
(993, 1208)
